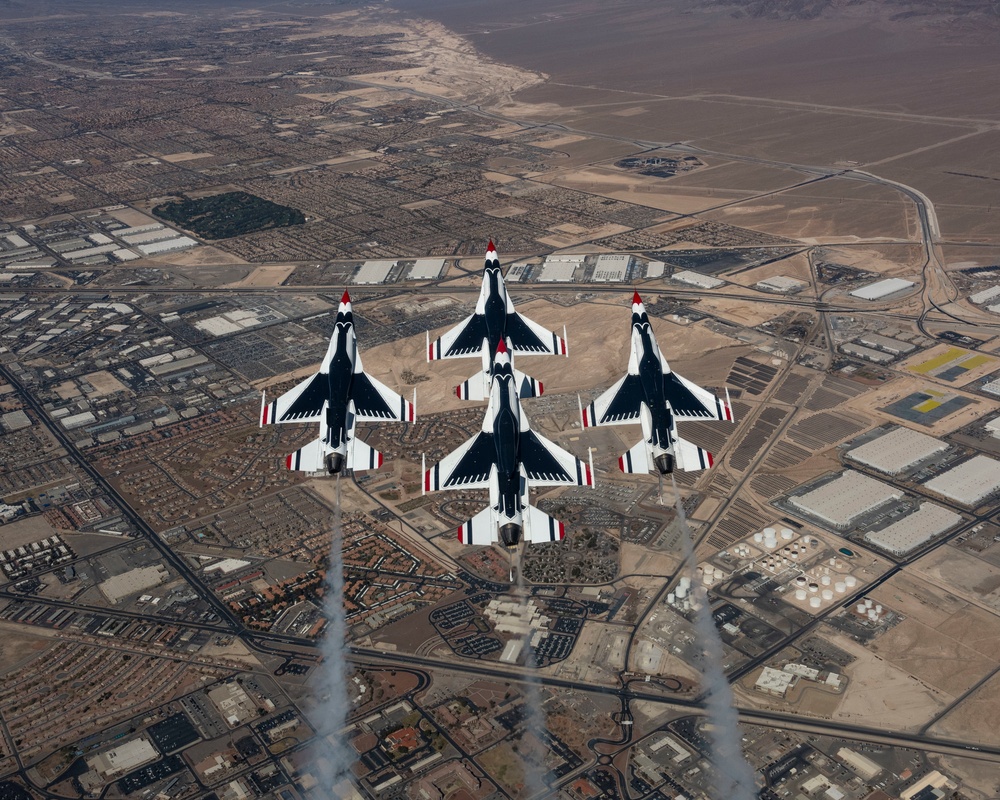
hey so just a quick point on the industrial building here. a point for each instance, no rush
(374, 272)
(15, 420)
(893, 346)
(969, 482)
(516, 273)
(123, 758)
(559, 269)
(985, 296)
(867, 353)
(180, 243)
(697, 279)
(883, 288)
(612, 268)
(654, 269)
(914, 529)
(426, 269)
(775, 682)
(867, 769)
(133, 581)
(781, 284)
(841, 501)
(897, 450)
(233, 703)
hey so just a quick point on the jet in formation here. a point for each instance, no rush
(508, 458)
(658, 398)
(495, 321)
(339, 396)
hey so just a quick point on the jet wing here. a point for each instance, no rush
(468, 467)
(526, 336)
(376, 401)
(546, 464)
(465, 339)
(619, 404)
(690, 402)
(301, 403)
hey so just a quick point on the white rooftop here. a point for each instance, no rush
(697, 279)
(914, 529)
(374, 272)
(987, 294)
(426, 269)
(893, 452)
(781, 283)
(969, 482)
(843, 500)
(873, 291)
(558, 272)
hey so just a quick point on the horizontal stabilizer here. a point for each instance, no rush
(636, 460)
(527, 386)
(690, 457)
(310, 458)
(540, 527)
(362, 456)
(480, 530)
(477, 387)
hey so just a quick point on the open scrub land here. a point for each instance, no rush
(804, 195)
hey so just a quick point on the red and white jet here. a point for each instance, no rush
(507, 457)
(339, 396)
(495, 321)
(657, 398)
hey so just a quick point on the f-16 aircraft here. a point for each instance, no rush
(339, 396)
(657, 398)
(495, 321)
(507, 457)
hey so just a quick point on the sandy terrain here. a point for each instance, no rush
(175, 158)
(104, 383)
(963, 574)
(17, 645)
(933, 656)
(974, 718)
(272, 275)
(24, 531)
(883, 696)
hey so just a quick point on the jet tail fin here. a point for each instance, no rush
(480, 530)
(540, 527)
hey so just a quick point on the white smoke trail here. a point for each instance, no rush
(332, 755)
(532, 762)
(733, 778)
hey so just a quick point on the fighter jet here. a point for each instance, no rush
(339, 396)
(507, 457)
(657, 398)
(495, 321)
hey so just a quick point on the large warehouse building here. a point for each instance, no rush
(843, 500)
(969, 482)
(897, 450)
(612, 268)
(880, 289)
(914, 529)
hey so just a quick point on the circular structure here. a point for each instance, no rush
(800, 594)
(815, 602)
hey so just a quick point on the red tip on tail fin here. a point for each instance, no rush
(346, 298)
(501, 348)
(636, 300)
(490, 246)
